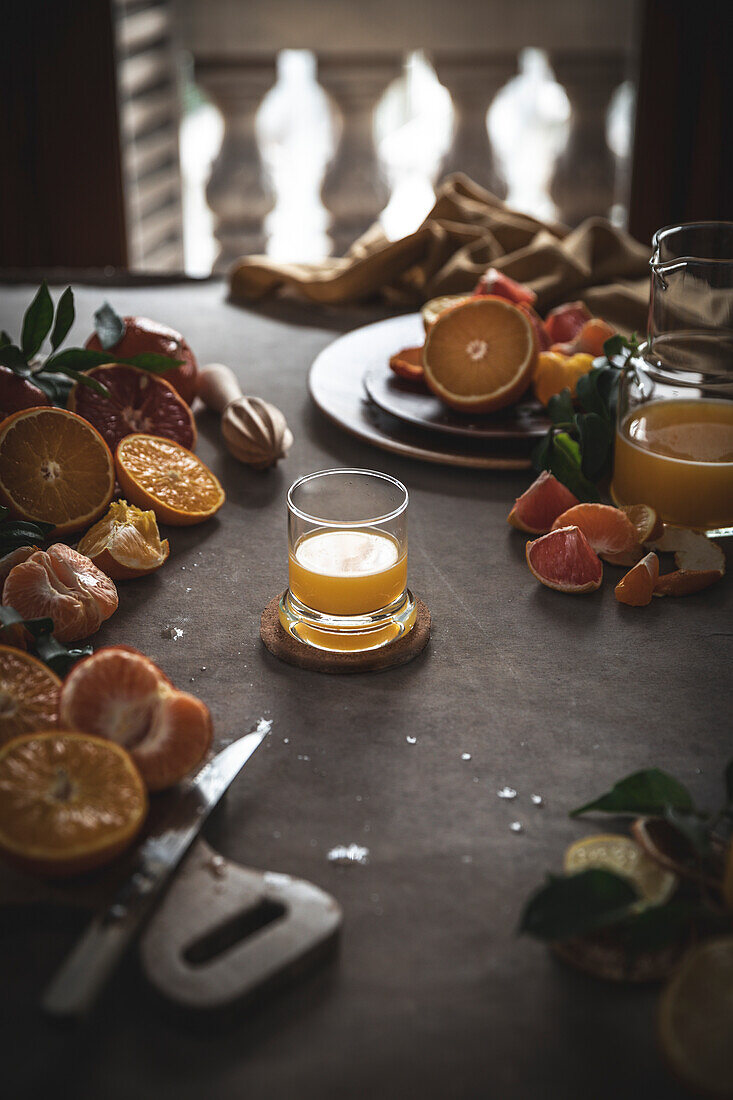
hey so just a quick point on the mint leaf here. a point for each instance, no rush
(150, 361)
(577, 904)
(64, 318)
(650, 791)
(37, 321)
(109, 326)
(11, 356)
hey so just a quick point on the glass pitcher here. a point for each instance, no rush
(674, 435)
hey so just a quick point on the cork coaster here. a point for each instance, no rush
(293, 652)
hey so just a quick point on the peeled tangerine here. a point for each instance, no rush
(65, 586)
(609, 531)
(565, 560)
(538, 507)
(126, 542)
(120, 694)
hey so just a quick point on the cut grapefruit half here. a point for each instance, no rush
(138, 402)
(566, 561)
(479, 356)
(538, 507)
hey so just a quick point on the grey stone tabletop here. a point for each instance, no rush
(432, 993)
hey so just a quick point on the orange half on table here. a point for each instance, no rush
(479, 355)
(54, 467)
(29, 694)
(160, 474)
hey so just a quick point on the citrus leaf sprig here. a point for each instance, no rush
(15, 533)
(49, 649)
(56, 372)
(578, 447)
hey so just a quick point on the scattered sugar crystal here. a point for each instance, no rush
(537, 799)
(507, 792)
(411, 740)
(173, 632)
(351, 853)
(465, 756)
(516, 827)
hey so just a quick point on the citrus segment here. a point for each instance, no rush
(65, 586)
(646, 521)
(565, 322)
(624, 857)
(565, 560)
(408, 363)
(159, 474)
(68, 802)
(555, 373)
(120, 694)
(29, 694)
(54, 467)
(538, 507)
(608, 529)
(696, 1019)
(479, 356)
(138, 402)
(125, 543)
(143, 336)
(637, 587)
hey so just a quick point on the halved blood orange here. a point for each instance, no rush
(68, 802)
(637, 587)
(54, 467)
(479, 356)
(125, 543)
(120, 694)
(538, 507)
(159, 474)
(565, 560)
(29, 694)
(609, 530)
(65, 586)
(139, 402)
(144, 336)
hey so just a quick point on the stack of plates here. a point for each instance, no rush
(351, 383)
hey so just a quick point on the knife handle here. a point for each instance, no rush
(79, 982)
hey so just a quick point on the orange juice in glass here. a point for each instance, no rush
(674, 436)
(347, 561)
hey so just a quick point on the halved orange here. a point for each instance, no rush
(125, 543)
(29, 694)
(160, 474)
(68, 802)
(54, 467)
(479, 355)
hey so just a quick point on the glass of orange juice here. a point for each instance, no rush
(347, 561)
(674, 437)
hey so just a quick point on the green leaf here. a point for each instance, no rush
(4, 339)
(695, 829)
(37, 321)
(55, 386)
(541, 453)
(109, 326)
(64, 318)
(615, 345)
(59, 657)
(595, 438)
(15, 533)
(650, 791)
(560, 409)
(11, 356)
(577, 904)
(85, 380)
(564, 461)
(156, 364)
(659, 926)
(77, 359)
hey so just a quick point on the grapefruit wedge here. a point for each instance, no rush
(566, 561)
(538, 507)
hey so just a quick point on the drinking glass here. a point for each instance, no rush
(674, 437)
(347, 561)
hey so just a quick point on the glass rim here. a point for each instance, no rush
(347, 523)
(668, 230)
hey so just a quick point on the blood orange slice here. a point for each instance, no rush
(609, 530)
(65, 586)
(120, 694)
(29, 694)
(143, 336)
(68, 802)
(479, 356)
(565, 560)
(538, 507)
(138, 402)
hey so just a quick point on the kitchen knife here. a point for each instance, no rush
(83, 975)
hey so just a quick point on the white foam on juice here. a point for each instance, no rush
(347, 553)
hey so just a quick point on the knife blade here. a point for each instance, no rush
(82, 976)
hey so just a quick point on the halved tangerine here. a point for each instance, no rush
(68, 802)
(29, 694)
(139, 402)
(159, 474)
(54, 467)
(565, 560)
(538, 507)
(479, 356)
(65, 586)
(125, 543)
(609, 530)
(120, 694)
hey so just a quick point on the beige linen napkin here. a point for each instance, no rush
(467, 231)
